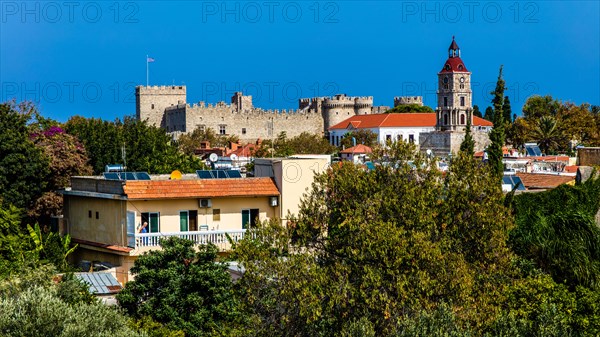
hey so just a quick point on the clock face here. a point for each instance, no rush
(462, 80)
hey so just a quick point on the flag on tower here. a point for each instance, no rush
(150, 59)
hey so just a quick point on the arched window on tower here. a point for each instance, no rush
(445, 119)
(462, 119)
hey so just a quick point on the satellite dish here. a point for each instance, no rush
(233, 157)
(175, 175)
(213, 157)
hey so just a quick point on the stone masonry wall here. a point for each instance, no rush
(441, 143)
(248, 126)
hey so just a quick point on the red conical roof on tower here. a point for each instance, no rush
(454, 63)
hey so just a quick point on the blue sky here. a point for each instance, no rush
(84, 58)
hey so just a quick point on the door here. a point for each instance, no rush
(193, 220)
(249, 217)
(153, 220)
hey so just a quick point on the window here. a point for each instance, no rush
(462, 119)
(153, 220)
(216, 214)
(388, 138)
(152, 106)
(411, 138)
(90, 214)
(97, 215)
(188, 221)
(445, 101)
(445, 119)
(462, 86)
(243, 131)
(462, 101)
(202, 127)
(249, 218)
(222, 130)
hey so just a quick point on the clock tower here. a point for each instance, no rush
(454, 93)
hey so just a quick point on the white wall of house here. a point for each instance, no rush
(394, 133)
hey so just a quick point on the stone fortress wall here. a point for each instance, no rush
(167, 107)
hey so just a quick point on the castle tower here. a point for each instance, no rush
(151, 102)
(454, 93)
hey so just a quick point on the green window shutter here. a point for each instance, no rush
(245, 218)
(183, 221)
(154, 227)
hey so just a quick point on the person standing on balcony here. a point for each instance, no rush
(144, 228)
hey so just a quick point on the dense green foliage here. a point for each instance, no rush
(556, 126)
(147, 148)
(182, 289)
(23, 167)
(362, 136)
(468, 144)
(476, 111)
(304, 143)
(188, 143)
(556, 230)
(409, 108)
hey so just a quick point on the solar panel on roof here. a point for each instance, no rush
(519, 182)
(533, 150)
(507, 180)
(128, 176)
(142, 176)
(218, 174)
(234, 174)
(204, 174)
(111, 176)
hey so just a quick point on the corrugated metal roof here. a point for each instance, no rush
(100, 283)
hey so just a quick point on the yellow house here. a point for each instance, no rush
(105, 216)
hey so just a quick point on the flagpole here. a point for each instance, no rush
(147, 76)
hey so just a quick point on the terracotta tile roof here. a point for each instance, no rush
(199, 188)
(417, 119)
(550, 158)
(478, 121)
(543, 181)
(358, 149)
(571, 169)
(102, 245)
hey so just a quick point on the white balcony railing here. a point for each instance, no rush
(218, 238)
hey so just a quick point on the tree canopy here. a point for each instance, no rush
(409, 108)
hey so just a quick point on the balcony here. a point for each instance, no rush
(150, 241)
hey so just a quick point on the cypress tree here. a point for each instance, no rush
(468, 144)
(497, 134)
(489, 114)
(476, 111)
(507, 110)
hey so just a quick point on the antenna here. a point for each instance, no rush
(124, 156)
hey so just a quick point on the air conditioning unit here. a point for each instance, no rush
(204, 203)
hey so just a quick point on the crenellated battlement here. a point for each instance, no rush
(406, 100)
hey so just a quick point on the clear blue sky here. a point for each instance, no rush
(84, 58)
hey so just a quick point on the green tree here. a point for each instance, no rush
(547, 134)
(538, 106)
(476, 111)
(507, 110)
(468, 144)
(518, 133)
(362, 136)
(497, 135)
(310, 143)
(489, 114)
(148, 148)
(23, 167)
(372, 248)
(408, 108)
(182, 289)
